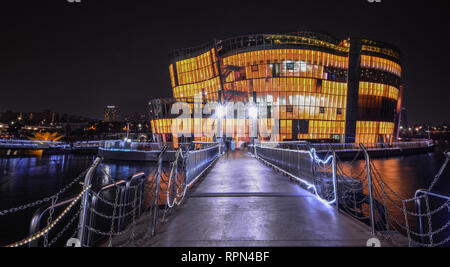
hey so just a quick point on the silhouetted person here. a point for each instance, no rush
(228, 146)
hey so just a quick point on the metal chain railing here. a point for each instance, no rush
(393, 217)
(131, 217)
(305, 166)
(52, 224)
(163, 191)
(360, 192)
(44, 200)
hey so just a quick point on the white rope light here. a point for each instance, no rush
(52, 225)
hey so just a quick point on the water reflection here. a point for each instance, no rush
(30, 178)
(27, 179)
(110, 171)
(407, 174)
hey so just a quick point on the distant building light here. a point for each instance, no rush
(253, 112)
(220, 112)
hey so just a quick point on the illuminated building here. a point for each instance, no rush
(321, 88)
(111, 114)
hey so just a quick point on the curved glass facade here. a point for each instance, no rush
(379, 92)
(321, 88)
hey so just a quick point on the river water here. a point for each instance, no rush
(27, 179)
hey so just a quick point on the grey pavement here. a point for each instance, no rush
(242, 202)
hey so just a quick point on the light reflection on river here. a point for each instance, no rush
(27, 179)
(407, 174)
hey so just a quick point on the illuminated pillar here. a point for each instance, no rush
(398, 117)
(354, 74)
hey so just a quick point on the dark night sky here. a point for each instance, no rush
(80, 57)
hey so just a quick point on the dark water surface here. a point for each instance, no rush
(27, 179)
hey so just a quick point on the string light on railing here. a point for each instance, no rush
(50, 227)
(316, 193)
(313, 155)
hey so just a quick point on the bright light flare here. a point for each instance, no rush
(253, 112)
(220, 111)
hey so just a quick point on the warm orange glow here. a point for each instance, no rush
(378, 63)
(367, 132)
(378, 89)
(46, 137)
(305, 88)
(196, 75)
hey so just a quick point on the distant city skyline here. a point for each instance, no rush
(36, 116)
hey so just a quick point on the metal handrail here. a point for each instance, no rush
(309, 175)
(133, 178)
(418, 207)
(158, 182)
(354, 146)
(93, 205)
(201, 160)
(39, 213)
(193, 169)
(369, 180)
(85, 199)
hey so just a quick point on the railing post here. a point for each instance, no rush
(418, 205)
(94, 202)
(419, 219)
(158, 180)
(335, 183)
(84, 201)
(175, 177)
(369, 180)
(188, 167)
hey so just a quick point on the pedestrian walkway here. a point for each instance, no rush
(242, 202)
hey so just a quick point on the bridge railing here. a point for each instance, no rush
(360, 191)
(164, 191)
(104, 212)
(305, 166)
(389, 215)
(30, 144)
(427, 237)
(104, 144)
(8, 143)
(123, 212)
(198, 161)
(144, 146)
(376, 146)
(302, 145)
